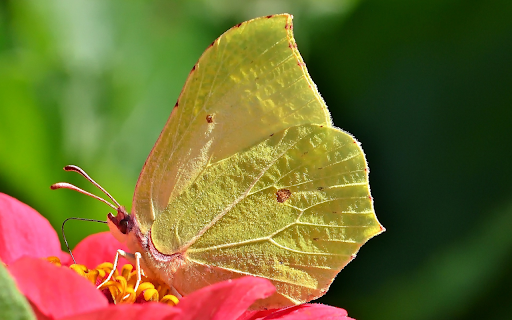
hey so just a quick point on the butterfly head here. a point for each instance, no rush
(121, 224)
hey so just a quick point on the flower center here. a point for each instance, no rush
(120, 288)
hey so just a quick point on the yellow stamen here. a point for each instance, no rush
(170, 300)
(121, 286)
(54, 260)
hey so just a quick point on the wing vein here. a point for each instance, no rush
(241, 197)
(237, 200)
(305, 252)
(298, 283)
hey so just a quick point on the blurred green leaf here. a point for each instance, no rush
(13, 305)
(452, 279)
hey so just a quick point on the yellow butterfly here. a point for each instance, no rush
(250, 177)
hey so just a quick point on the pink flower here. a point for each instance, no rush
(60, 293)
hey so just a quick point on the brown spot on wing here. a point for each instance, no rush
(283, 195)
(209, 118)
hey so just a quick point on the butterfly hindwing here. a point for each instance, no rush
(294, 209)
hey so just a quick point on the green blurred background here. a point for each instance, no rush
(426, 86)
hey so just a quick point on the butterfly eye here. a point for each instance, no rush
(123, 221)
(123, 225)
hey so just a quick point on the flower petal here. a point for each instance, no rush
(225, 300)
(256, 314)
(98, 248)
(55, 291)
(153, 311)
(24, 232)
(310, 312)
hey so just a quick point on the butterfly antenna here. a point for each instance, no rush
(64, 235)
(86, 176)
(65, 185)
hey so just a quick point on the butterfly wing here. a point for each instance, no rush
(249, 177)
(250, 83)
(294, 209)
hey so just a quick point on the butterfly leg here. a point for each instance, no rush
(139, 270)
(130, 257)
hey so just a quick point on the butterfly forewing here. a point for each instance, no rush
(250, 83)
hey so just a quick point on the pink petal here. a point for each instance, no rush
(24, 232)
(256, 315)
(153, 311)
(65, 259)
(98, 248)
(309, 312)
(56, 291)
(224, 300)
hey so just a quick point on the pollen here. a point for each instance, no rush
(120, 288)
